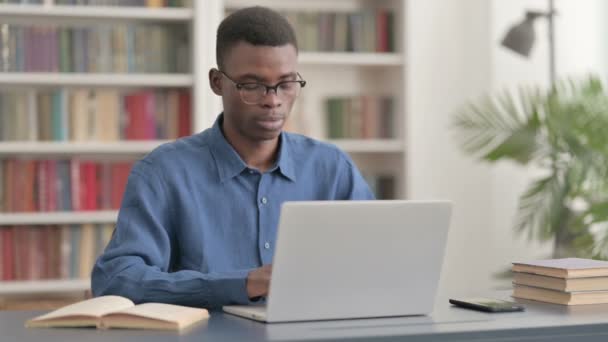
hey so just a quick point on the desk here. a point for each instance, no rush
(540, 323)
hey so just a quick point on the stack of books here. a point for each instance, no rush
(570, 281)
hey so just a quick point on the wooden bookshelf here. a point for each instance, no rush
(199, 20)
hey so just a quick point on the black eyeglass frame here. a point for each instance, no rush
(241, 85)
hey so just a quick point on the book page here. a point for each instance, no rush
(94, 307)
(180, 315)
(567, 263)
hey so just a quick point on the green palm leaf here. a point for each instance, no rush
(500, 128)
(540, 208)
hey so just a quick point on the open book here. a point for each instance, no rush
(119, 312)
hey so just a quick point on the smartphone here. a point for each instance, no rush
(487, 304)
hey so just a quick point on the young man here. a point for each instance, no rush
(199, 216)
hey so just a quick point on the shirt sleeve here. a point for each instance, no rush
(351, 184)
(138, 259)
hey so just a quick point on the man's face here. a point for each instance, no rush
(267, 65)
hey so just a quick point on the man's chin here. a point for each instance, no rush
(268, 136)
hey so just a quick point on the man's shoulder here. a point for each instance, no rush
(180, 147)
(302, 145)
(181, 151)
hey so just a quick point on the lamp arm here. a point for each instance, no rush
(550, 15)
(551, 34)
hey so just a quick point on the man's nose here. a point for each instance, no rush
(271, 99)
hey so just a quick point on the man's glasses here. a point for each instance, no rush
(253, 92)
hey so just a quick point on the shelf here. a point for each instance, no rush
(63, 12)
(60, 217)
(351, 58)
(308, 5)
(369, 146)
(69, 148)
(143, 147)
(43, 286)
(83, 79)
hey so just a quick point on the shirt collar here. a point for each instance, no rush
(228, 162)
(285, 161)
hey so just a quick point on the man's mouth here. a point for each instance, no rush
(271, 123)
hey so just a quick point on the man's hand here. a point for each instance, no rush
(258, 281)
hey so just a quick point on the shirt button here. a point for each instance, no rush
(264, 200)
(251, 171)
(267, 245)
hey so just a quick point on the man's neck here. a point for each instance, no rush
(260, 155)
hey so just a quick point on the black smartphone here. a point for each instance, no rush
(487, 304)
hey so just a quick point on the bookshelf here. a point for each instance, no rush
(359, 73)
(198, 20)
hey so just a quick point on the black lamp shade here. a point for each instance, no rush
(520, 37)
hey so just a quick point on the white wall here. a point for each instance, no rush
(582, 34)
(448, 62)
(509, 180)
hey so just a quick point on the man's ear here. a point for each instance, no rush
(215, 78)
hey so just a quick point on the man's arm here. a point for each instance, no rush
(137, 262)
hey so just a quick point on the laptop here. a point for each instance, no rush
(354, 259)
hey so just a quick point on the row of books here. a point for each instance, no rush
(117, 48)
(360, 117)
(368, 30)
(569, 281)
(382, 186)
(128, 3)
(83, 114)
(61, 185)
(51, 252)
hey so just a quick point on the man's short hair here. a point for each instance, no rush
(254, 25)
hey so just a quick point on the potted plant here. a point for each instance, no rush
(563, 134)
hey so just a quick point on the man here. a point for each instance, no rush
(198, 220)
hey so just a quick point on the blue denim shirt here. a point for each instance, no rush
(195, 220)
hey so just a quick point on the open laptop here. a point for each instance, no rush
(354, 259)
